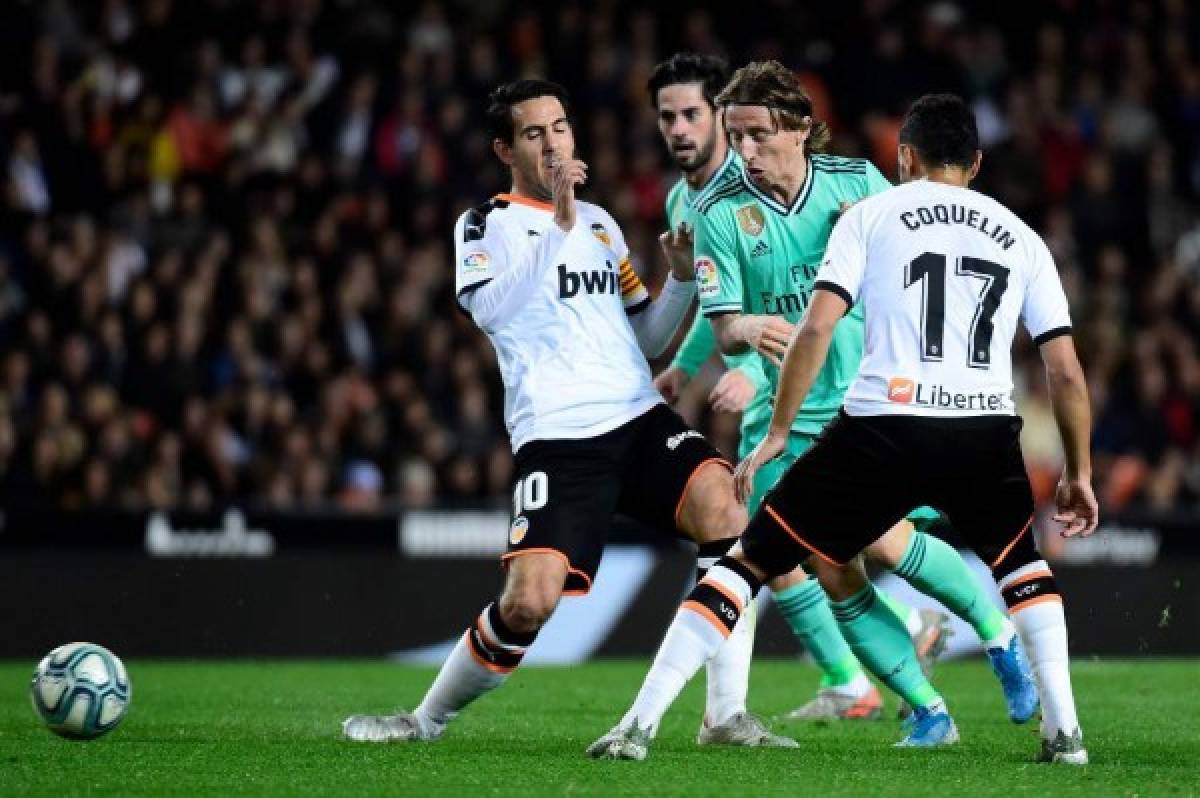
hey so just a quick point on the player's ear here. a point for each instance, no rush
(503, 150)
(974, 170)
(904, 161)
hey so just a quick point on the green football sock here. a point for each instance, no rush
(806, 609)
(903, 611)
(882, 644)
(936, 569)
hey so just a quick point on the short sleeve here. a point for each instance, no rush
(845, 258)
(1045, 311)
(718, 275)
(480, 251)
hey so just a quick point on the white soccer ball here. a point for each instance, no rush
(80, 690)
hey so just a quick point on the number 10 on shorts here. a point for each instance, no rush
(531, 493)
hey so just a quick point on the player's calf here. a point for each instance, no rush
(492, 648)
(481, 661)
(1036, 608)
(704, 621)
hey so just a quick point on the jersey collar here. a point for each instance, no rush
(729, 158)
(532, 203)
(775, 205)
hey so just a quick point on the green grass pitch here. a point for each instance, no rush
(271, 728)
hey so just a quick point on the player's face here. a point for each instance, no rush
(688, 125)
(771, 154)
(541, 136)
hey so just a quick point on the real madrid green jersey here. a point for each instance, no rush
(699, 344)
(756, 256)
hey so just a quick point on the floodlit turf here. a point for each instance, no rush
(272, 728)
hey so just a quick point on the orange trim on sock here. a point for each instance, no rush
(688, 485)
(707, 614)
(532, 203)
(491, 666)
(484, 635)
(1009, 547)
(587, 580)
(1044, 573)
(724, 591)
(779, 520)
(1039, 600)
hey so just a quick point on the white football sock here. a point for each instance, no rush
(1004, 638)
(728, 671)
(475, 666)
(857, 687)
(692, 639)
(1043, 629)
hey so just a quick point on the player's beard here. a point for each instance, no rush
(699, 159)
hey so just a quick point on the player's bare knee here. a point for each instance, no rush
(840, 581)
(534, 586)
(711, 511)
(889, 550)
(527, 609)
(787, 580)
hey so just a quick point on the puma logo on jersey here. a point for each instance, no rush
(674, 441)
(590, 282)
(900, 389)
(761, 249)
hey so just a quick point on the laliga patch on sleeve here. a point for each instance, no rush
(476, 263)
(708, 285)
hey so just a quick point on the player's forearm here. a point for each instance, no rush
(1072, 411)
(497, 302)
(801, 365)
(656, 325)
(733, 333)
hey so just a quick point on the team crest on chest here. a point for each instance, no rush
(751, 220)
(599, 232)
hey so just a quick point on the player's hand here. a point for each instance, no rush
(565, 175)
(1078, 511)
(769, 335)
(732, 392)
(671, 382)
(677, 246)
(767, 450)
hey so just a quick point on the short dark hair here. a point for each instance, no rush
(710, 71)
(941, 128)
(502, 100)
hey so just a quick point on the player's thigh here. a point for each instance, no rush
(839, 496)
(564, 496)
(985, 491)
(675, 481)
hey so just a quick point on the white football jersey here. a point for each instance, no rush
(943, 274)
(569, 358)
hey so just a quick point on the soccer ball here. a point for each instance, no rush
(80, 690)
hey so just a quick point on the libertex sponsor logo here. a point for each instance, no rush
(900, 389)
(905, 391)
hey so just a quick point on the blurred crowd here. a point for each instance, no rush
(225, 255)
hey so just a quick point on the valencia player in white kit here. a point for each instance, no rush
(548, 278)
(944, 275)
